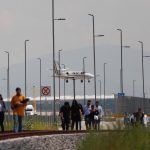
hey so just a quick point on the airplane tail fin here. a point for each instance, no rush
(57, 68)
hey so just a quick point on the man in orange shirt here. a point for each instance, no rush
(18, 105)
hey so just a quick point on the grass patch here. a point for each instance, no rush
(32, 123)
(134, 139)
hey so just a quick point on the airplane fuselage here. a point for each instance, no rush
(76, 75)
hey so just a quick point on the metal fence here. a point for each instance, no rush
(131, 104)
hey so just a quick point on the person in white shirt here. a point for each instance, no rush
(100, 113)
(145, 120)
(132, 119)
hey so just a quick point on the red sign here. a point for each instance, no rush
(45, 91)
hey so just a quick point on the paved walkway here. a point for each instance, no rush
(103, 126)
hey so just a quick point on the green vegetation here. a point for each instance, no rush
(133, 139)
(32, 123)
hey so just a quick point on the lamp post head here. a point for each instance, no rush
(84, 57)
(91, 15)
(26, 40)
(60, 19)
(39, 59)
(140, 42)
(59, 51)
(146, 56)
(100, 35)
(6, 52)
(119, 30)
(127, 46)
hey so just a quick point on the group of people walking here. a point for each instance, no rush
(18, 105)
(71, 116)
(93, 115)
(74, 114)
(136, 119)
(71, 113)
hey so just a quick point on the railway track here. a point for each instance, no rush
(11, 135)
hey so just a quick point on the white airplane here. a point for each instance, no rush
(73, 75)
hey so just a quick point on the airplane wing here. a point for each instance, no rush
(65, 77)
(81, 77)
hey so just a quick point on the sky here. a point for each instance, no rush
(31, 19)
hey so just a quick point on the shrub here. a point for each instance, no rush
(135, 139)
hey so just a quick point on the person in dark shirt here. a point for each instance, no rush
(75, 114)
(2, 112)
(92, 114)
(139, 117)
(65, 116)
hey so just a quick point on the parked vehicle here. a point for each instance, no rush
(29, 111)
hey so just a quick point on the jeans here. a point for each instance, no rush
(2, 121)
(87, 122)
(97, 124)
(17, 123)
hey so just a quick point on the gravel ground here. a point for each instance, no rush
(49, 142)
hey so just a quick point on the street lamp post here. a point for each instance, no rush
(5, 79)
(134, 87)
(104, 89)
(84, 76)
(121, 70)
(8, 77)
(53, 36)
(40, 84)
(100, 88)
(25, 43)
(59, 71)
(94, 52)
(146, 57)
(142, 69)
(64, 84)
